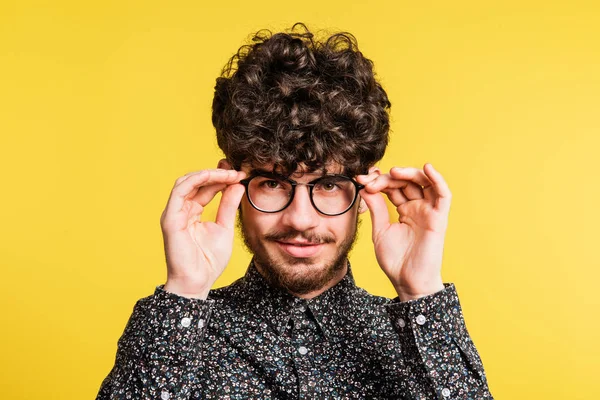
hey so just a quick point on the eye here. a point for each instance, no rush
(328, 186)
(270, 184)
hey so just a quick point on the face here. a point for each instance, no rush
(298, 248)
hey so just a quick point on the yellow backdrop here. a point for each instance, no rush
(103, 105)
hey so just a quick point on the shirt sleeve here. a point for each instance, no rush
(440, 359)
(158, 352)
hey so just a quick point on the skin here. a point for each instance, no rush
(409, 250)
(278, 241)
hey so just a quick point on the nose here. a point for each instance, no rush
(300, 214)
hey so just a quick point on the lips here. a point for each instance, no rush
(300, 249)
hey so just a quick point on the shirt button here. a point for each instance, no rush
(185, 322)
(446, 392)
(421, 319)
(401, 323)
(164, 395)
(200, 323)
(302, 350)
(298, 325)
(302, 308)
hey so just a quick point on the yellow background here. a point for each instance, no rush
(103, 105)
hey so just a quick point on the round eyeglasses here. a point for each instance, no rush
(331, 195)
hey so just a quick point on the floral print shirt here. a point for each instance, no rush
(251, 341)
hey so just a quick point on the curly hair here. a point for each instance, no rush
(291, 100)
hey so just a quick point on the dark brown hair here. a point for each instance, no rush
(292, 100)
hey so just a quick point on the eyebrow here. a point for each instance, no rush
(264, 172)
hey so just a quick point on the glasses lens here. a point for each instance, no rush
(333, 194)
(269, 194)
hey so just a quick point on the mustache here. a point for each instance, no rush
(292, 234)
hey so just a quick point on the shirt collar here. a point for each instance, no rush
(277, 306)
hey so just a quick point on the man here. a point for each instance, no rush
(302, 124)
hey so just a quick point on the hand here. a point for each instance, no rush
(409, 251)
(198, 252)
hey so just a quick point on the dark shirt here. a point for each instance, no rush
(250, 340)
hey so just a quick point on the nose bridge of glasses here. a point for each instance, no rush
(295, 194)
(309, 185)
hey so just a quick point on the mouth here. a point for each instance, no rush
(300, 249)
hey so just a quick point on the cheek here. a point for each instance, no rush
(256, 221)
(344, 225)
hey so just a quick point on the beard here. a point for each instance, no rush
(295, 274)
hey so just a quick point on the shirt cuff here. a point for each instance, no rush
(177, 322)
(439, 311)
(434, 327)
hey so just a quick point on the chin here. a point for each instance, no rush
(299, 275)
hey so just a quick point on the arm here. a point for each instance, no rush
(157, 355)
(440, 358)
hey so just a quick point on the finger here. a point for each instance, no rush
(230, 200)
(378, 183)
(192, 173)
(398, 190)
(440, 187)
(385, 181)
(413, 191)
(206, 193)
(195, 182)
(396, 196)
(405, 214)
(408, 190)
(366, 179)
(417, 176)
(411, 174)
(380, 216)
(189, 187)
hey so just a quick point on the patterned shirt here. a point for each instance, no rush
(250, 340)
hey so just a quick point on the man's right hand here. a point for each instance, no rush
(197, 251)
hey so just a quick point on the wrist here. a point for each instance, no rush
(412, 293)
(184, 289)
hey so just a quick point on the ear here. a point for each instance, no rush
(224, 164)
(362, 206)
(374, 168)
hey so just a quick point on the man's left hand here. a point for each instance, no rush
(410, 250)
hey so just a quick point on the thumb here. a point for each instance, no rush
(380, 216)
(230, 200)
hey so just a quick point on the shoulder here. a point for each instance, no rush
(366, 299)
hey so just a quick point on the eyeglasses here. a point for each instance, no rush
(331, 195)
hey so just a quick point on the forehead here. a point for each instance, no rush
(332, 168)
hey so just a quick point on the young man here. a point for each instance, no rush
(302, 123)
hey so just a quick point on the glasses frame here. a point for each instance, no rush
(294, 183)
